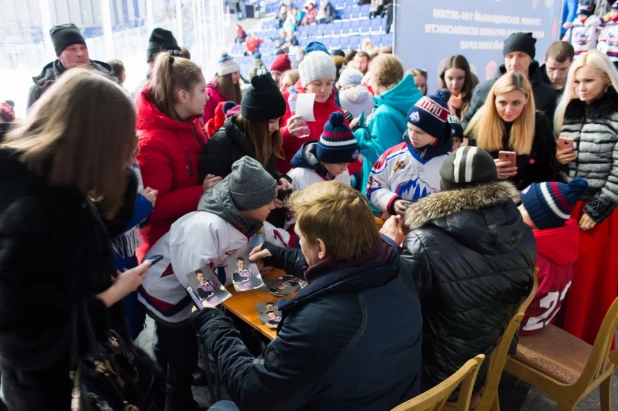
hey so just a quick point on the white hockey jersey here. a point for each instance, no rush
(608, 40)
(196, 240)
(583, 36)
(400, 173)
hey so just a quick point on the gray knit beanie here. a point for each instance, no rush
(350, 77)
(467, 167)
(250, 185)
(317, 65)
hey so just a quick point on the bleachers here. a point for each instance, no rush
(346, 33)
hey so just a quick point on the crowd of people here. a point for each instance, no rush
(124, 197)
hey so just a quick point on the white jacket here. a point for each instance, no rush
(608, 40)
(194, 241)
(357, 100)
(400, 173)
(583, 36)
(304, 177)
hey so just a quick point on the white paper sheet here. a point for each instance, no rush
(304, 106)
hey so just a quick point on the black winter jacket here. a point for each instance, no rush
(538, 166)
(472, 257)
(228, 145)
(350, 340)
(545, 96)
(48, 236)
(53, 70)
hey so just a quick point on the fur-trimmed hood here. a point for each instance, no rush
(598, 109)
(483, 218)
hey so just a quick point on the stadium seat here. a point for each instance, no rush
(365, 27)
(364, 10)
(355, 27)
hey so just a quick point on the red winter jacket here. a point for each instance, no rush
(557, 251)
(168, 160)
(214, 98)
(321, 112)
(252, 44)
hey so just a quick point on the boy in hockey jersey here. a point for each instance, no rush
(410, 171)
(608, 37)
(328, 158)
(546, 208)
(584, 31)
(457, 132)
(229, 222)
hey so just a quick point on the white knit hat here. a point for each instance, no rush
(317, 65)
(227, 65)
(350, 77)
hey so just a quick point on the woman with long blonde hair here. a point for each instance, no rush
(56, 266)
(509, 122)
(587, 119)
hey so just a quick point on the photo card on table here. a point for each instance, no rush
(246, 275)
(269, 314)
(207, 286)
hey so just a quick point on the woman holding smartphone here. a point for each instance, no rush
(588, 115)
(518, 137)
(56, 256)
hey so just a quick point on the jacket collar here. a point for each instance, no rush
(442, 146)
(306, 158)
(598, 109)
(446, 203)
(534, 73)
(349, 277)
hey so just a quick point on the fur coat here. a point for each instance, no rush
(472, 258)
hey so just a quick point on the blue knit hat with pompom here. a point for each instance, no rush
(550, 205)
(430, 114)
(337, 143)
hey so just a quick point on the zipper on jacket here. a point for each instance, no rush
(189, 162)
(199, 143)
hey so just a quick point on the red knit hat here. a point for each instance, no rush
(6, 111)
(282, 63)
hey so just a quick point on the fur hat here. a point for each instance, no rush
(227, 65)
(550, 205)
(467, 167)
(317, 65)
(337, 143)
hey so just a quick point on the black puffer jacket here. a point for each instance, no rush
(53, 70)
(472, 257)
(228, 145)
(545, 96)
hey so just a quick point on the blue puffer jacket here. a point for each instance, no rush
(388, 122)
(350, 340)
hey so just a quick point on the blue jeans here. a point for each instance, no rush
(224, 406)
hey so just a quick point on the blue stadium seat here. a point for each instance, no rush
(364, 10)
(365, 27)
(355, 27)
(319, 31)
(342, 43)
(387, 40)
(355, 42)
(376, 40)
(345, 28)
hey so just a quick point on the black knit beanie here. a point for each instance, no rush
(162, 40)
(262, 100)
(467, 167)
(523, 42)
(65, 35)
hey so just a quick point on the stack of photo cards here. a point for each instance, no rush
(286, 285)
(246, 275)
(269, 314)
(207, 286)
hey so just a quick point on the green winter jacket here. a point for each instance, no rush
(387, 123)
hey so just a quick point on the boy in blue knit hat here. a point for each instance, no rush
(328, 158)
(410, 171)
(546, 208)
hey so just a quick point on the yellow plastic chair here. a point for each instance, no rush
(567, 368)
(435, 398)
(499, 356)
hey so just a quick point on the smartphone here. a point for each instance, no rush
(509, 157)
(154, 259)
(196, 298)
(406, 204)
(564, 143)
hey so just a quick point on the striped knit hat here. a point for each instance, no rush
(430, 114)
(550, 205)
(227, 65)
(467, 167)
(337, 143)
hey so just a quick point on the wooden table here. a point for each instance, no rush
(242, 304)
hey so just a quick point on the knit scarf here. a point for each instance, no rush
(124, 245)
(455, 103)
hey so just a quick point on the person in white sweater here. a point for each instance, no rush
(354, 97)
(410, 170)
(328, 158)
